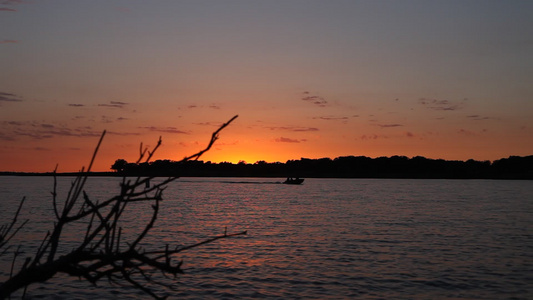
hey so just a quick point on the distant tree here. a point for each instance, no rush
(119, 165)
(103, 250)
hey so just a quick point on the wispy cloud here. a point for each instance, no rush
(8, 97)
(76, 105)
(72, 132)
(188, 144)
(217, 124)
(233, 143)
(373, 137)
(442, 105)
(123, 133)
(478, 118)
(331, 118)
(8, 3)
(9, 42)
(14, 123)
(39, 131)
(389, 125)
(289, 140)
(294, 128)
(466, 132)
(314, 99)
(210, 106)
(165, 129)
(106, 120)
(115, 104)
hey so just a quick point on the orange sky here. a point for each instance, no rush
(447, 79)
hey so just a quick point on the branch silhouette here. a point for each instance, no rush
(103, 251)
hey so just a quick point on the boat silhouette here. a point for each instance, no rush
(293, 181)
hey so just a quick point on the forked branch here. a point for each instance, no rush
(103, 251)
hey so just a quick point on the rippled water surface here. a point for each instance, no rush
(327, 238)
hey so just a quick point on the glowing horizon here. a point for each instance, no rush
(444, 80)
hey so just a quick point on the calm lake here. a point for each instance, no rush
(325, 239)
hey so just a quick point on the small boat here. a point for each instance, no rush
(293, 181)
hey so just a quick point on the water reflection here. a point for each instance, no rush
(333, 238)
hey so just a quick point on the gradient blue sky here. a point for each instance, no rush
(441, 79)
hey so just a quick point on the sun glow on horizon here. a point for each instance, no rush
(338, 78)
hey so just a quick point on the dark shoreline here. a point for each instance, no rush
(114, 174)
(395, 167)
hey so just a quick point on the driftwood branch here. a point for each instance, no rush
(103, 251)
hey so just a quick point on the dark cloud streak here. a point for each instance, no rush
(389, 125)
(442, 105)
(294, 129)
(114, 104)
(217, 124)
(365, 137)
(211, 106)
(122, 133)
(41, 131)
(330, 118)
(289, 140)
(478, 118)
(316, 100)
(165, 129)
(8, 97)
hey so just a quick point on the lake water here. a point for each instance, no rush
(325, 239)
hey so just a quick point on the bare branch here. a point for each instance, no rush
(214, 137)
(6, 233)
(99, 253)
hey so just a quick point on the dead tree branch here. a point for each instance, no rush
(103, 251)
(8, 231)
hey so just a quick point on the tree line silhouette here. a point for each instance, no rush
(514, 167)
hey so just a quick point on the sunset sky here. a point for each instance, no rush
(313, 79)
